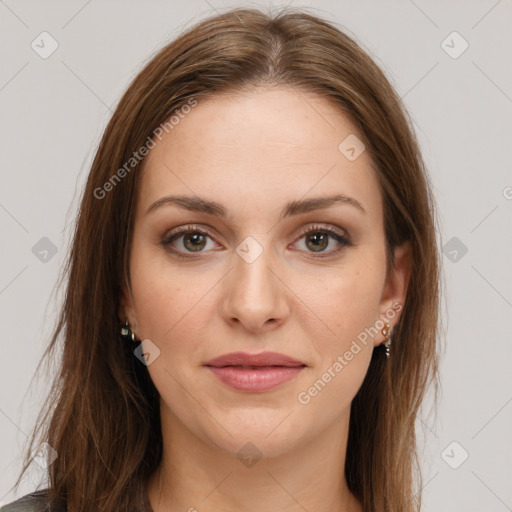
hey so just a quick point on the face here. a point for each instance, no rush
(264, 269)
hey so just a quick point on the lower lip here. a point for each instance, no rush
(255, 380)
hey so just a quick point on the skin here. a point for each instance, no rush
(253, 153)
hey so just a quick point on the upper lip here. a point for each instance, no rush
(262, 359)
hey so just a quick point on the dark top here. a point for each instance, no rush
(36, 502)
(33, 502)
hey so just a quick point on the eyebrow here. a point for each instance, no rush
(200, 205)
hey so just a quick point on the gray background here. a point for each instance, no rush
(54, 110)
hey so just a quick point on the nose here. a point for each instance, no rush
(254, 293)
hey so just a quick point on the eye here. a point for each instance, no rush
(191, 239)
(318, 238)
(187, 240)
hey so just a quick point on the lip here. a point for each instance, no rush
(255, 372)
(261, 359)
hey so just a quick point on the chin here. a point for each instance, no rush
(257, 435)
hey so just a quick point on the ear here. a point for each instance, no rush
(127, 309)
(394, 291)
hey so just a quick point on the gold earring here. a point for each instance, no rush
(386, 332)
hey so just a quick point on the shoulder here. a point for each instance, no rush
(34, 502)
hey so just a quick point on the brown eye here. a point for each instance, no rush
(322, 241)
(194, 241)
(187, 241)
(317, 242)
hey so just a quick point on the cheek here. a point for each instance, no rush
(348, 307)
(347, 302)
(171, 303)
(332, 389)
(171, 313)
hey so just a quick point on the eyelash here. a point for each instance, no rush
(184, 230)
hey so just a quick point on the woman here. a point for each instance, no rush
(252, 298)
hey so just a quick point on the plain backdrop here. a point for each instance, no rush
(450, 61)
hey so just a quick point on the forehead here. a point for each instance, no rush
(259, 150)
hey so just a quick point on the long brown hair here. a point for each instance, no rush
(102, 416)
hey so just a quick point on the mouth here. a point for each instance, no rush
(255, 373)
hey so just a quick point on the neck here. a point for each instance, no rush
(197, 476)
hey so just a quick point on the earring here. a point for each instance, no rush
(127, 332)
(386, 332)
